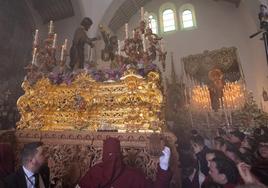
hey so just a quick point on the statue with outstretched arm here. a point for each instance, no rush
(79, 40)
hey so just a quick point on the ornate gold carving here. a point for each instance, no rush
(132, 104)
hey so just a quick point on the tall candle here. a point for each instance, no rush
(88, 52)
(54, 40)
(162, 46)
(142, 13)
(143, 43)
(133, 33)
(119, 47)
(50, 27)
(126, 30)
(34, 55)
(62, 53)
(36, 37)
(65, 44)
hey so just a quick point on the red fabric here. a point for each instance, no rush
(112, 173)
(6, 160)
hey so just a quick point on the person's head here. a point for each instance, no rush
(221, 132)
(223, 171)
(263, 8)
(194, 132)
(248, 143)
(236, 137)
(111, 149)
(32, 156)
(188, 166)
(263, 146)
(211, 154)
(198, 143)
(86, 23)
(233, 153)
(219, 143)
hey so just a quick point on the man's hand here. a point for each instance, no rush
(246, 175)
(164, 159)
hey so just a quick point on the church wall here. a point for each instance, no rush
(219, 24)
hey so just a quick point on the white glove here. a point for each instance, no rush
(164, 159)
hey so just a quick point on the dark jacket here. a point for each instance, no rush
(201, 157)
(18, 179)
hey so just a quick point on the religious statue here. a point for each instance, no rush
(79, 40)
(216, 86)
(111, 45)
(263, 17)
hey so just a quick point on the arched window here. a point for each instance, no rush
(187, 17)
(153, 23)
(168, 18)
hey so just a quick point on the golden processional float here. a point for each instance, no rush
(73, 111)
(59, 99)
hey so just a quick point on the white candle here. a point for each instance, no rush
(36, 37)
(126, 30)
(119, 47)
(133, 34)
(146, 17)
(142, 13)
(162, 46)
(50, 27)
(143, 43)
(62, 53)
(54, 41)
(34, 55)
(88, 52)
(65, 44)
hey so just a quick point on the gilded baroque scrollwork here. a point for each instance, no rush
(132, 104)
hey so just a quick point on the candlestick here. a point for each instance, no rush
(34, 55)
(62, 53)
(88, 53)
(143, 43)
(54, 40)
(119, 47)
(36, 37)
(91, 55)
(142, 13)
(126, 30)
(50, 27)
(65, 44)
(162, 46)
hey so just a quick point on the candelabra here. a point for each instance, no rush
(44, 55)
(143, 47)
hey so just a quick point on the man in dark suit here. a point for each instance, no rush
(33, 173)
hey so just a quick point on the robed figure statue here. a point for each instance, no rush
(79, 40)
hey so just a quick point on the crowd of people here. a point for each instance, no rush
(231, 159)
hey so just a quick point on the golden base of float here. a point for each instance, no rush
(132, 104)
(72, 153)
(73, 120)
